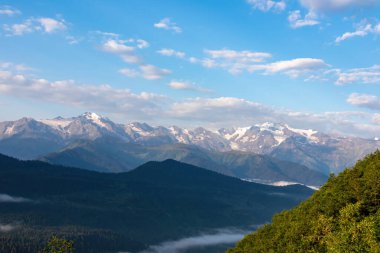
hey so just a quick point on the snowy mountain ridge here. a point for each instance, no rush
(308, 147)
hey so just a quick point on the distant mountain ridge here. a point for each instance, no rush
(313, 149)
(109, 154)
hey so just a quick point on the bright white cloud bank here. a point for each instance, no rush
(70, 93)
(125, 105)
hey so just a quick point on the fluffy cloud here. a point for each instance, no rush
(229, 111)
(167, 24)
(267, 5)
(231, 60)
(185, 85)
(362, 29)
(296, 21)
(51, 25)
(208, 112)
(9, 11)
(292, 68)
(89, 97)
(126, 49)
(46, 25)
(364, 100)
(238, 56)
(151, 72)
(171, 52)
(148, 72)
(369, 75)
(331, 5)
(119, 47)
(235, 62)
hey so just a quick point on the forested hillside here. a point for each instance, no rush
(343, 216)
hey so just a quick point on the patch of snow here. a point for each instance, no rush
(9, 130)
(280, 139)
(308, 133)
(96, 119)
(237, 134)
(58, 124)
(234, 146)
(139, 130)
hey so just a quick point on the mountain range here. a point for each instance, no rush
(108, 154)
(105, 212)
(30, 139)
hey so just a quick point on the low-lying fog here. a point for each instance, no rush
(218, 241)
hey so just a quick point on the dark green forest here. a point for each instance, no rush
(344, 216)
(104, 212)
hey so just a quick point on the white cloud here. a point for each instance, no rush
(5, 198)
(14, 67)
(231, 60)
(238, 56)
(186, 85)
(142, 43)
(126, 50)
(364, 100)
(171, 52)
(167, 24)
(362, 29)
(235, 62)
(331, 5)
(267, 5)
(180, 85)
(230, 111)
(46, 25)
(369, 75)
(292, 68)
(208, 112)
(119, 47)
(51, 25)
(296, 21)
(19, 29)
(148, 72)
(90, 97)
(73, 40)
(9, 11)
(129, 72)
(151, 72)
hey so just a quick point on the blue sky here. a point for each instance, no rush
(215, 63)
